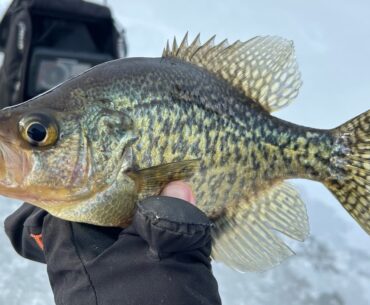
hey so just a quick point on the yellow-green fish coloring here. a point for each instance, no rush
(90, 148)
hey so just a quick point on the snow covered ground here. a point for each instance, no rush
(332, 46)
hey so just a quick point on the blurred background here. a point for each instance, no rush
(332, 46)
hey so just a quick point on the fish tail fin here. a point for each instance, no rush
(350, 162)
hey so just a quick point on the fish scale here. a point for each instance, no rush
(202, 113)
(223, 156)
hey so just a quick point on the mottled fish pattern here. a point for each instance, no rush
(200, 113)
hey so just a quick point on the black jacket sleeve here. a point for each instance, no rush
(162, 258)
(24, 229)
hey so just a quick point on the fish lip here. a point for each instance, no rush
(16, 147)
(7, 141)
(15, 164)
(2, 165)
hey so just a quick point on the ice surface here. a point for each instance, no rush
(332, 46)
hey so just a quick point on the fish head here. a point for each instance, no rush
(62, 148)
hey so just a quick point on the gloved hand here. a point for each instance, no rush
(161, 258)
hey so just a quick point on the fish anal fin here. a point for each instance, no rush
(150, 181)
(244, 237)
(263, 68)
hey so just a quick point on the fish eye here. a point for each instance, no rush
(36, 132)
(38, 129)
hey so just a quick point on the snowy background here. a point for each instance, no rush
(332, 47)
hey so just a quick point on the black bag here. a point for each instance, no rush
(64, 36)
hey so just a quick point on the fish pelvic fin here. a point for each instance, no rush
(244, 237)
(263, 68)
(350, 181)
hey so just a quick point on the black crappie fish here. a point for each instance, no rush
(90, 148)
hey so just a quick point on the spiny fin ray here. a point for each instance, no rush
(263, 68)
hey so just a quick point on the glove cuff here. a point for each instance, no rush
(172, 225)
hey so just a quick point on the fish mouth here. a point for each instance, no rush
(16, 167)
(15, 164)
(2, 165)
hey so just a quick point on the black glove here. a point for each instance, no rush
(161, 258)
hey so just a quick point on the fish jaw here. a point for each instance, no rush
(15, 159)
(15, 166)
(24, 168)
(19, 181)
(76, 172)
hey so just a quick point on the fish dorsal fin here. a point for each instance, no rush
(264, 68)
(244, 238)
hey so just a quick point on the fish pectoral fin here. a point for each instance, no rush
(264, 68)
(150, 181)
(244, 238)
